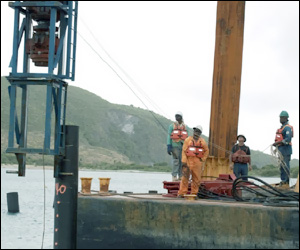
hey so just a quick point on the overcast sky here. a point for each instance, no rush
(167, 48)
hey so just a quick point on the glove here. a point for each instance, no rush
(185, 170)
(169, 149)
(184, 165)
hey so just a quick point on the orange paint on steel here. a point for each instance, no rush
(227, 76)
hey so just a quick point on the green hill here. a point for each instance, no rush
(109, 133)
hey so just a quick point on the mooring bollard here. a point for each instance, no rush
(13, 202)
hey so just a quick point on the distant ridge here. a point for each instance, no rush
(109, 133)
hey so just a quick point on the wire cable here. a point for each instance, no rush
(44, 218)
(124, 72)
(165, 130)
(135, 84)
(270, 192)
(132, 81)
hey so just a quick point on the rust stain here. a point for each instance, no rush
(227, 76)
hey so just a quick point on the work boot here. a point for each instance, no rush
(180, 196)
(179, 179)
(284, 184)
(174, 178)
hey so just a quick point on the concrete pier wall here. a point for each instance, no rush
(117, 222)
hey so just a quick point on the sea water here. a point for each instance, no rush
(24, 230)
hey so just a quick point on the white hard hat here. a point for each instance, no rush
(198, 127)
(179, 113)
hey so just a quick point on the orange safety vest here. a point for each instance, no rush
(195, 150)
(179, 134)
(279, 136)
(241, 157)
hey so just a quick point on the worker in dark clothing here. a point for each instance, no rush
(283, 141)
(240, 159)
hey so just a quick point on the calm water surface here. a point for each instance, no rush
(24, 230)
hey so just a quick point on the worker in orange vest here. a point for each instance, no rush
(194, 153)
(177, 133)
(283, 141)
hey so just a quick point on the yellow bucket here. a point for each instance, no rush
(86, 185)
(104, 184)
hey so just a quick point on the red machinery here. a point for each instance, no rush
(38, 46)
(221, 186)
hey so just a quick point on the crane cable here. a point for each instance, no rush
(210, 143)
(134, 83)
(151, 112)
(124, 72)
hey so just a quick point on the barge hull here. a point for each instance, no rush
(135, 223)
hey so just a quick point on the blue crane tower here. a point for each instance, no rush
(51, 44)
(47, 30)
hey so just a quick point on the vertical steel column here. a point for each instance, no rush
(48, 120)
(52, 40)
(227, 76)
(12, 117)
(63, 27)
(66, 191)
(23, 135)
(74, 40)
(14, 64)
(21, 158)
(26, 60)
(69, 40)
(58, 135)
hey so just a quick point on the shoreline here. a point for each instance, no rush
(47, 167)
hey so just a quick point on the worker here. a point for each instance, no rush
(177, 133)
(240, 159)
(283, 141)
(194, 154)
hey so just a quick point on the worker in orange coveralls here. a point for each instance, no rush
(194, 153)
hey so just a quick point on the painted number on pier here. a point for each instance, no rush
(60, 189)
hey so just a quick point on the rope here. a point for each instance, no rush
(266, 148)
(219, 147)
(280, 161)
(43, 237)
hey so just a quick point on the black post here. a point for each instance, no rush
(66, 191)
(12, 202)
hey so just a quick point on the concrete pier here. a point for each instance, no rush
(153, 222)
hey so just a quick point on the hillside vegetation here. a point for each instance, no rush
(111, 135)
